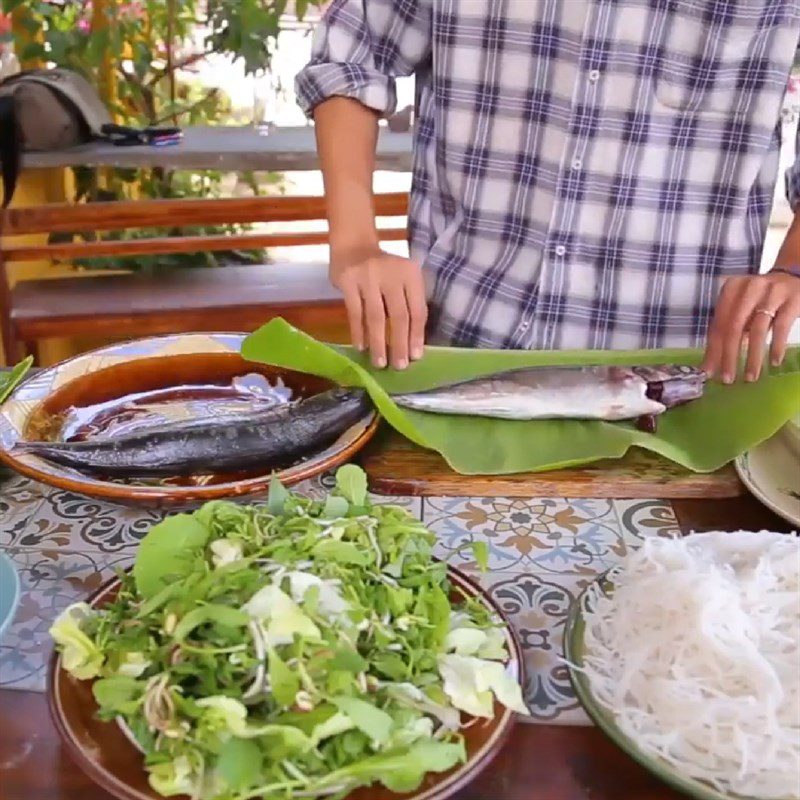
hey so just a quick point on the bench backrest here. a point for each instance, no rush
(90, 218)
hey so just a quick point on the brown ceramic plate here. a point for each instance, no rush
(107, 756)
(98, 383)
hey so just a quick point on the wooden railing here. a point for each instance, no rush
(127, 215)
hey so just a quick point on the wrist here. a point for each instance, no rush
(787, 270)
(354, 251)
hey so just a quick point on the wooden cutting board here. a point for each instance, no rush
(395, 466)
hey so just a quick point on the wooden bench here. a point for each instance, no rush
(204, 298)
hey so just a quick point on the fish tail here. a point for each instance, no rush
(56, 452)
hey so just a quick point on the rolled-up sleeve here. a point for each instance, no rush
(360, 47)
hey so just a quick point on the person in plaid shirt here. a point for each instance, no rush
(586, 173)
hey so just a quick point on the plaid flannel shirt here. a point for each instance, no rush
(585, 173)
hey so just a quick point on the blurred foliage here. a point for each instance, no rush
(144, 49)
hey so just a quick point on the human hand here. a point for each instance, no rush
(746, 310)
(384, 291)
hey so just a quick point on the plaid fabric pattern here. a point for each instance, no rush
(586, 173)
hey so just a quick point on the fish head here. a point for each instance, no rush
(345, 393)
(350, 398)
(673, 384)
(661, 373)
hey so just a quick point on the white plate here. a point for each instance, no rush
(771, 472)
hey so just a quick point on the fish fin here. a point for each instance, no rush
(647, 423)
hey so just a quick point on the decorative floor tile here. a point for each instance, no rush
(20, 500)
(77, 522)
(51, 579)
(537, 608)
(541, 535)
(639, 519)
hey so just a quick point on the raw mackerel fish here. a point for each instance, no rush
(214, 445)
(601, 392)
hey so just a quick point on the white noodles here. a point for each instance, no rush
(696, 653)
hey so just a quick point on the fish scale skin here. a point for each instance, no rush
(220, 445)
(602, 392)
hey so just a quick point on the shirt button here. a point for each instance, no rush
(561, 250)
(594, 75)
(577, 163)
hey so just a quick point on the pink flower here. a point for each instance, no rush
(133, 9)
(84, 26)
(794, 85)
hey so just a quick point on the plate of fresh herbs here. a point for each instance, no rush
(302, 648)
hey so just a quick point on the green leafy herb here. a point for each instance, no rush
(348, 661)
(214, 613)
(366, 717)
(341, 552)
(117, 693)
(10, 380)
(284, 684)
(240, 763)
(277, 496)
(335, 507)
(481, 552)
(403, 771)
(352, 483)
(168, 553)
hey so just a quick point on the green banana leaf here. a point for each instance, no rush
(702, 436)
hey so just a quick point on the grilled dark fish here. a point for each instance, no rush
(601, 392)
(217, 445)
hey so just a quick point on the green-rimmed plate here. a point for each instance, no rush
(574, 649)
(9, 592)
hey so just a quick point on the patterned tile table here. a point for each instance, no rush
(543, 551)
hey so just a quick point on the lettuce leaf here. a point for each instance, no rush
(169, 553)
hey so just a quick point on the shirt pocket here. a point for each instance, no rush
(713, 54)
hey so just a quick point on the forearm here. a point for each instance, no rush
(347, 134)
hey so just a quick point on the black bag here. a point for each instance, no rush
(45, 109)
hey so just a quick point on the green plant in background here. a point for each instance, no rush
(155, 42)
